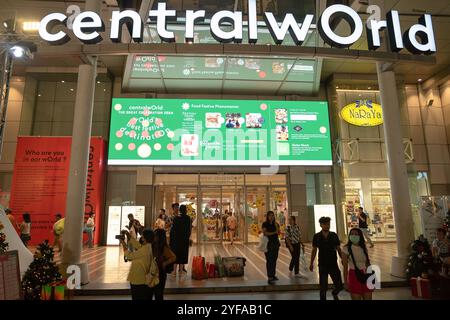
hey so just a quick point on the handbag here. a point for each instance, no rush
(362, 277)
(263, 242)
(152, 277)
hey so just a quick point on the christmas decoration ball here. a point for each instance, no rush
(419, 256)
(409, 264)
(407, 270)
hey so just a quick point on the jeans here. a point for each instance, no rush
(141, 292)
(335, 274)
(271, 260)
(366, 234)
(295, 261)
(90, 241)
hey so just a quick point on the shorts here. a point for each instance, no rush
(356, 287)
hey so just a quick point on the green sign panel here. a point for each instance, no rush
(239, 68)
(219, 132)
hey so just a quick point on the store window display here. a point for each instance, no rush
(374, 195)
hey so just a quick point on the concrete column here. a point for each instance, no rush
(297, 202)
(76, 192)
(396, 167)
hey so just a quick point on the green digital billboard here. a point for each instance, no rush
(219, 132)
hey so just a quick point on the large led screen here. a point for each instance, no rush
(219, 132)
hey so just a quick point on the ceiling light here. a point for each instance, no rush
(17, 51)
(98, 82)
(30, 26)
(71, 89)
(337, 87)
(419, 80)
(62, 81)
(39, 95)
(369, 88)
(23, 49)
(9, 25)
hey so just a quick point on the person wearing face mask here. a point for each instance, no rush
(355, 261)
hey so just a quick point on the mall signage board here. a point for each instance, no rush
(88, 25)
(363, 113)
(219, 132)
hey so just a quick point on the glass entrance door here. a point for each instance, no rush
(256, 202)
(189, 197)
(210, 211)
(233, 203)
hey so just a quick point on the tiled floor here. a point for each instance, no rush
(107, 269)
(383, 294)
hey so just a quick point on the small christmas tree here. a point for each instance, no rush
(3, 243)
(421, 258)
(42, 271)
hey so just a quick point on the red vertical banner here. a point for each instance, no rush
(95, 184)
(40, 178)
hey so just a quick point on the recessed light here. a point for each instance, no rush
(62, 81)
(337, 87)
(420, 80)
(368, 88)
(71, 89)
(104, 90)
(98, 82)
(39, 95)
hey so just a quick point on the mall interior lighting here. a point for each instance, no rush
(23, 50)
(30, 26)
(8, 25)
(18, 52)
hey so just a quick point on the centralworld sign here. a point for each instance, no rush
(87, 26)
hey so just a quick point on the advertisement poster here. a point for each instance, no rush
(219, 132)
(40, 182)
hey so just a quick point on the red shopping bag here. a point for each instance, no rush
(212, 271)
(198, 268)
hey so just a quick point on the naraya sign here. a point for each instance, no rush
(362, 113)
(88, 25)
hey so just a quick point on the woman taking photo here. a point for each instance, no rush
(271, 230)
(140, 259)
(355, 261)
(293, 243)
(164, 258)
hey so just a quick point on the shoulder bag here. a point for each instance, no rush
(361, 276)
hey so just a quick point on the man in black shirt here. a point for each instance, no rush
(362, 219)
(328, 243)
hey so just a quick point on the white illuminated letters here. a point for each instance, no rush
(50, 21)
(234, 18)
(191, 17)
(395, 33)
(349, 15)
(86, 27)
(163, 15)
(133, 21)
(252, 22)
(373, 33)
(423, 30)
(289, 23)
(228, 26)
